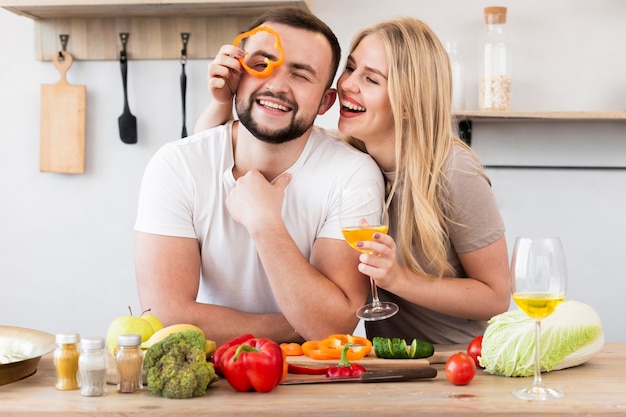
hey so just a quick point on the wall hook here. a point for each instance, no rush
(184, 36)
(183, 80)
(63, 38)
(124, 39)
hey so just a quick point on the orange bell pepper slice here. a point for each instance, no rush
(333, 346)
(292, 349)
(285, 367)
(270, 64)
(312, 350)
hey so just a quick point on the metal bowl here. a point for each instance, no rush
(21, 350)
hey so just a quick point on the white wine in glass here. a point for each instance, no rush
(362, 213)
(538, 281)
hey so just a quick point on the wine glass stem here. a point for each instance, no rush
(538, 382)
(375, 300)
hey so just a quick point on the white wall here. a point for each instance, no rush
(66, 241)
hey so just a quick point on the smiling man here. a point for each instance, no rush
(237, 226)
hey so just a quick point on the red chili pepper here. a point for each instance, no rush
(307, 370)
(256, 365)
(217, 355)
(344, 368)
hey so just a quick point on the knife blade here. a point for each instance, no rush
(390, 375)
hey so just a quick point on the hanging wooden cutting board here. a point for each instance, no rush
(63, 119)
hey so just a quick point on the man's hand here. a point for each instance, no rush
(255, 202)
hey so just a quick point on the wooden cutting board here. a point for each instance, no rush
(63, 119)
(371, 362)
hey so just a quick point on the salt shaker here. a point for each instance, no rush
(92, 367)
(129, 363)
(66, 361)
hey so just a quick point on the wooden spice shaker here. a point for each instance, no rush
(66, 361)
(129, 360)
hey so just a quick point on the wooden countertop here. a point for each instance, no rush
(597, 388)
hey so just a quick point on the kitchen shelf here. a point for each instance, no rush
(465, 118)
(154, 26)
(539, 116)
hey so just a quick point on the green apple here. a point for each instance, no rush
(153, 320)
(127, 325)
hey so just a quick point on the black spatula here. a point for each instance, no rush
(127, 122)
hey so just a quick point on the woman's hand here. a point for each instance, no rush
(382, 263)
(223, 76)
(224, 73)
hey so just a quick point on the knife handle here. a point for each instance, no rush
(393, 375)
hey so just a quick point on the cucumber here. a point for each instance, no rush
(396, 348)
(421, 349)
(400, 350)
(382, 347)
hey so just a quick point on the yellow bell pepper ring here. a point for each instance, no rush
(270, 65)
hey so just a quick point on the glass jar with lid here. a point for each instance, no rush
(92, 367)
(495, 79)
(458, 82)
(66, 361)
(129, 361)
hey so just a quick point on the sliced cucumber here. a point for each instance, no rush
(400, 350)
(396, 348)
(413, 349)
(422, 349)
(382, 347)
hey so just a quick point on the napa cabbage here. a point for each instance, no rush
(570, 336)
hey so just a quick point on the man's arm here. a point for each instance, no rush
(168, 276)
(318, 296)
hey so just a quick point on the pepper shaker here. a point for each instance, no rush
(129, 363)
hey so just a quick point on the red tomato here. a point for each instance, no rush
(460, 368)
(474, 348)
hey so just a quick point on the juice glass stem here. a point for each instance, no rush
(538, 381)
(375, 301)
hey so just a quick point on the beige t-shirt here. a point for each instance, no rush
(475, 223)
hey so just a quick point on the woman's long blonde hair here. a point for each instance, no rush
(420, 92)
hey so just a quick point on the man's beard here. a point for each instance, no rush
(294, 130)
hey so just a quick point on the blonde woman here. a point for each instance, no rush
(445, 260)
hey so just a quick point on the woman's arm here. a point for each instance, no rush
(223, 77)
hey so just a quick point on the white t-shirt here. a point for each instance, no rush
(183, 194)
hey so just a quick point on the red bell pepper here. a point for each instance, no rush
(217, 355)
(307, 370)
(255, 365)
(344, 368)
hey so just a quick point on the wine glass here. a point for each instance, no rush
(538, 280)
(362, 213)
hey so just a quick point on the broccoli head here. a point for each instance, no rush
(176, 367)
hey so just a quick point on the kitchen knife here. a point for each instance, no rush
(390, 375)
